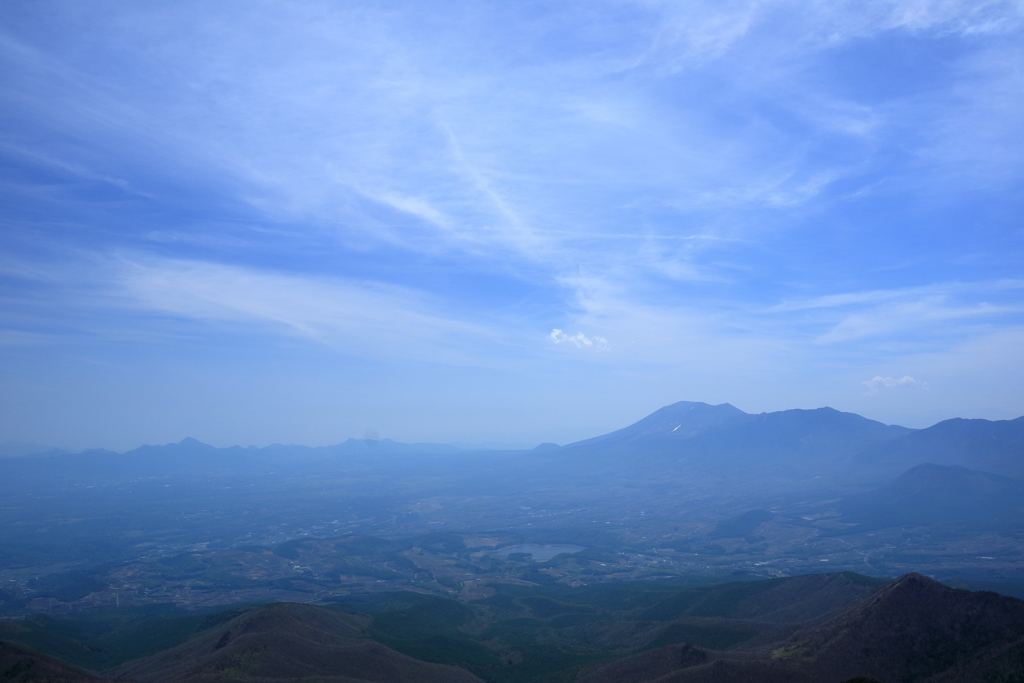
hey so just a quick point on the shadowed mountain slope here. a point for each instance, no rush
(792, 599)
(804, 629)
(653, 665)
(912, 630)
(288, 641)
(524, 633)
(19, 663)
(992, 446)
(938, 494)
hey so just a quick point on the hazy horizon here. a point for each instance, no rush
(440, 222)
(373, 435)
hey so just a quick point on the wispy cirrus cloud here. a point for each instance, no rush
(364, 317)
(412, 129)
(857, 315)
(942, 290)
(910, 316)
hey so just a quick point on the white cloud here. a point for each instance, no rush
(878, 383)
(579, 339)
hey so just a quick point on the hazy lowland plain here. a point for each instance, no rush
(699, 524)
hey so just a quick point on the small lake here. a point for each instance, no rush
(540, 553)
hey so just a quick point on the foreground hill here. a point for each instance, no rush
(914, 629)
(820, 628)
(19, 663)
(288, 641)
(524, 632)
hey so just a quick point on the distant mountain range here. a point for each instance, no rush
(991, 446)
(21, 449)
(15, 449)
(723, 439)
(695, 437)
(807, 443)
(938, 494)
(192, 456)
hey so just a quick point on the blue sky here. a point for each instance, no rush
(258, 222)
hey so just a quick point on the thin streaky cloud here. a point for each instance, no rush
(328, 311)
(911, 293)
